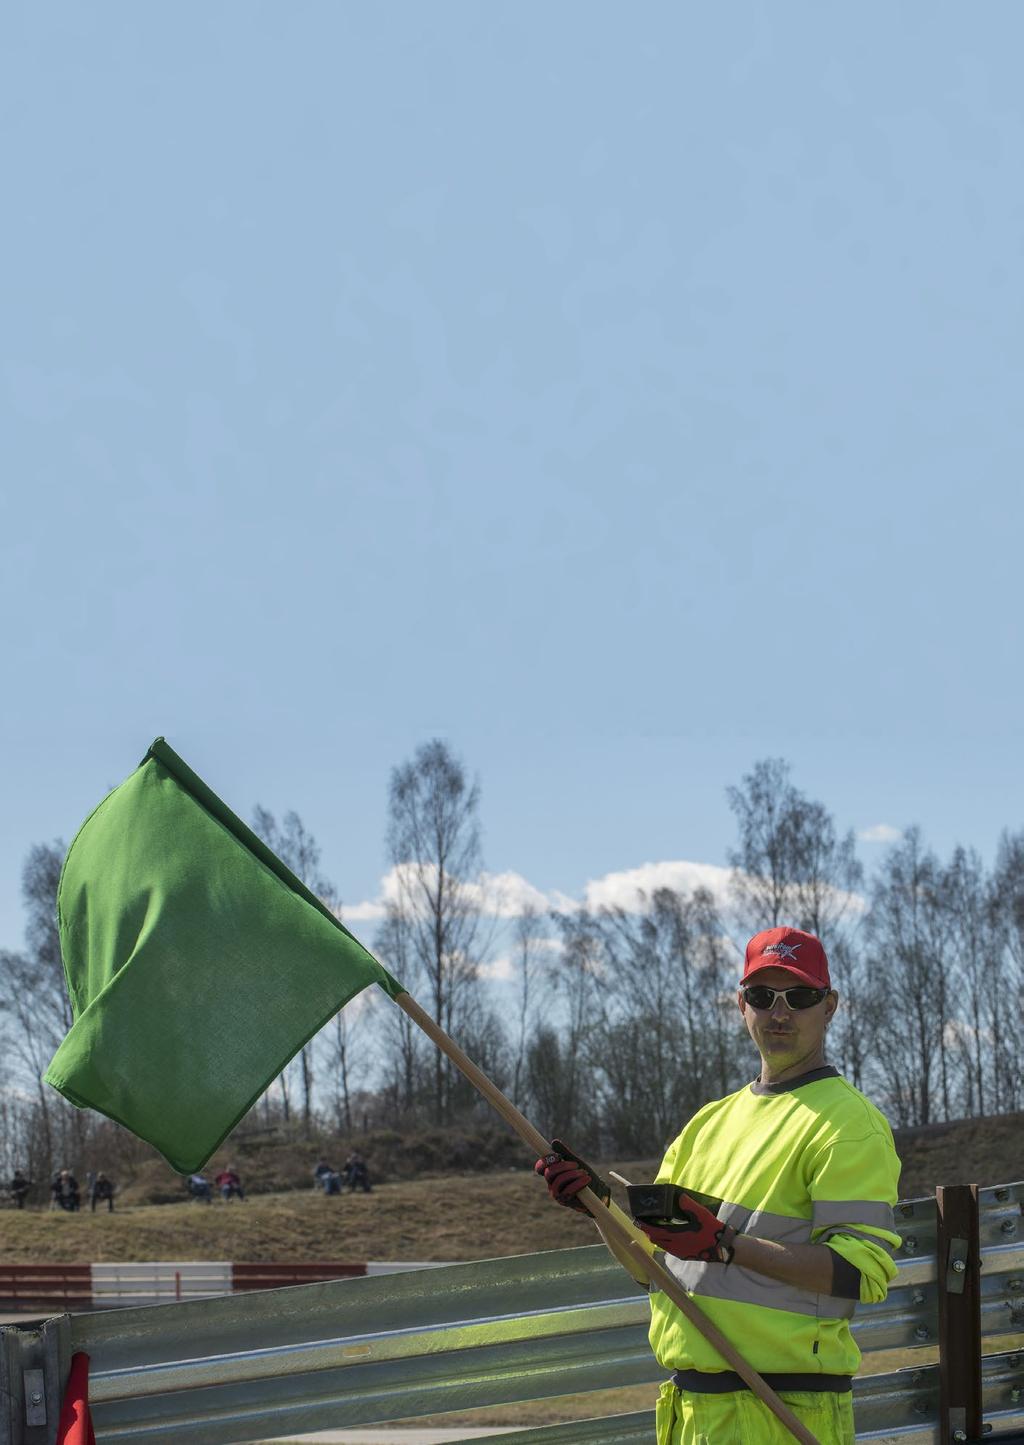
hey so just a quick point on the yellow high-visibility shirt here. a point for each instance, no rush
(808, 1162)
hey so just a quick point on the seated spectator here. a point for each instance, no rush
(229, 1183)
(199, 1188)
(64, 1191)
(326, 1178)
(19, 1187)
(102, 1188)
(355, 1174)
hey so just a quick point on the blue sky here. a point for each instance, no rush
(621, 393)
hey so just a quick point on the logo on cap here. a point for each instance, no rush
(784, 950)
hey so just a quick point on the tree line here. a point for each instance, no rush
(614, 1023)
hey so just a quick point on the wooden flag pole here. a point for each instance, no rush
(631, 1243)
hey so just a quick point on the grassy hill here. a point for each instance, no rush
(453, 1215)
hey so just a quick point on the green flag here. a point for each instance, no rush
(197, 964)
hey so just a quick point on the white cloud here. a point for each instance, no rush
(504, 896)
(880, 833)
(499, 968)
(369, 911)
(498, 895)
(372, 910)
(619, 890)
(507, 895)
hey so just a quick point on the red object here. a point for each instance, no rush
(696, 1239)
(564, 1179)
(800, 954)
(75, 1424)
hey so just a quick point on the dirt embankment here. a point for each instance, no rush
(451, 1216)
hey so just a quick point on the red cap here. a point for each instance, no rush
(800, 954)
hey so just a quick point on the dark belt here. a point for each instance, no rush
(724, 1382)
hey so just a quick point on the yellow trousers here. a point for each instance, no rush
(739, 1418)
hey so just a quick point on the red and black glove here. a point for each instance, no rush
(699, 1234)
(565, 1174)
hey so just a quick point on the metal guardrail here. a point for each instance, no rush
(369, 1350)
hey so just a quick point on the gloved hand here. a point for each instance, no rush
(565, 1174)
(702, 1235)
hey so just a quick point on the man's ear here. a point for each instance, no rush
(740, 1003)
(833, 999)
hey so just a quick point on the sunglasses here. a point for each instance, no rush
(759, 996)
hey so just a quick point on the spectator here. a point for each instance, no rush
(229, 1183)
(326, 1178)
(355, 1174)
(64, 1191)
(102, 1188)
(199, 1188)
(19, 1187)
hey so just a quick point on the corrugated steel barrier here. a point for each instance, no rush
(364, 1351)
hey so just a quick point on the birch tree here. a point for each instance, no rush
(434, 849)
(299, 850)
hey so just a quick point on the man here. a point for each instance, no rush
(783, 1220)
(64, 1191)
(102, 1189)
(229, 1183)
(326, 1178)
(355, 1173)
(19, 1187)
(199, 1188)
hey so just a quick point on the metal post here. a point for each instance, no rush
(959, 1281)
(34, 1363)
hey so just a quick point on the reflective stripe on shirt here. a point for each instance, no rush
(870, 1213)
(742, 1286)
(745, 1286)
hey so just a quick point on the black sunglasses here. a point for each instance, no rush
(760, 996)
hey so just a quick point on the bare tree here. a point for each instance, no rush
(35, 1010)
(434, 848)
(909, 959)
(1007, 1036)
(669, 1037)
(406, 1049)
(298, 850)
(973, 936)
(765, 806)
(790, 864)
(527, 937)
(347, 1039)
(563, 1077)
(851, 1042)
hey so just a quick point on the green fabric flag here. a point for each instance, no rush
(196, 962)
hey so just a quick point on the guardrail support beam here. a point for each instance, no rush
(959, 1280)
(34, 1362)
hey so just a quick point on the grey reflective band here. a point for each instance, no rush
(857, 1213)
(743, 1286)
(746, 1286)
(763, 1224)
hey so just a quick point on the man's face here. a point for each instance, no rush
(784, 1036)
